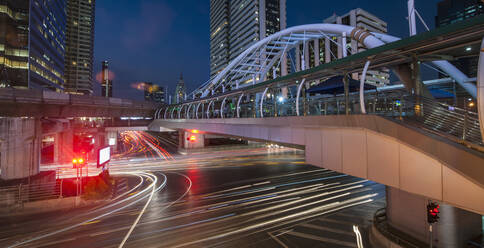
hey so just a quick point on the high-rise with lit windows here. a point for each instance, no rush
(79, 46)
(237, 24)
(32, 44)
(451, 11)
(180, 90)
(329, 51)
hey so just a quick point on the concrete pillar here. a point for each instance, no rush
(408, 213)
(298, 58)
(20, 145)
(327, 50)
(64, 146)
(316, 52)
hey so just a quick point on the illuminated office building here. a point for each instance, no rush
(32, 44)
(451, 11)
(79, 47)
(154, 92)
(237, 24)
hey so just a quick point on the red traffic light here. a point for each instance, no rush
(192, 138)
(77, 162)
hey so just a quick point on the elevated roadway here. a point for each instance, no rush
(370, 147)
(36, 103)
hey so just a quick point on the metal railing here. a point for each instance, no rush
(380, 222)
(448, 121)
(17, 195)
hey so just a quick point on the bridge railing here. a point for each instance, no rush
(33, 96)
(282, 100)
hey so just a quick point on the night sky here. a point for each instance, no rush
(156, 40)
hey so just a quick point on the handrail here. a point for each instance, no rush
(445, 120)
(380, 222)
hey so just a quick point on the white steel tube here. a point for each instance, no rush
(362, 87)
(298, 95)
(480, 91)
(238, 105)
(262, 102)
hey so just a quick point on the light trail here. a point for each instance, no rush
(140, 214)
(89, 220)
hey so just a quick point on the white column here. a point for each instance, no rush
(480, 89)
(411, 17)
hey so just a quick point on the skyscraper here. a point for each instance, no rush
(355, 18)
(106, 81)
(236, 24)
(154, 92)
(79, 46)
(180, 90)
(451, 11)
(32, 44)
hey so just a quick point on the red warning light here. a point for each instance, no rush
(74, 161)
(195, 131)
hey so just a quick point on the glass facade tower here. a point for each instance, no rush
(237, 24)
(32, 44)
(451, 11)
(79, 46)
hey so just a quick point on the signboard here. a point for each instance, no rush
(103, 156)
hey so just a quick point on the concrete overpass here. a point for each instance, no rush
(37, 103)
(371, 147)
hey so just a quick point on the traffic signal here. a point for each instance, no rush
(78, 162)
(432, 212)
(192, 138)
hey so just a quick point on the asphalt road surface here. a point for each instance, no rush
(255, 197)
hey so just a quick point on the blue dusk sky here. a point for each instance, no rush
(156, 40)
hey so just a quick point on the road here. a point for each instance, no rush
(256, 197)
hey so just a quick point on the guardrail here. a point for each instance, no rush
(448, 121)
(49, 97)
(380, 222)
(19, 194)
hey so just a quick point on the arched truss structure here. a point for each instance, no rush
(263, 59)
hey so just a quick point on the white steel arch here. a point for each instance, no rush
(252, 65)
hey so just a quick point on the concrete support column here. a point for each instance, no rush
(298, 59)
(408, 213)
(20, 145)
(327, 50)
(65, 146)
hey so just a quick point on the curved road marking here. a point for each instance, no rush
(86, 221)
(140, 214)
(147, 203)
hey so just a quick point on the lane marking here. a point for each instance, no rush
(92, 219)
(141, 213)
(322, 239)
(278, 240)
(91, 222)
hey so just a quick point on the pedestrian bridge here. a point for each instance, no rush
(398, 136)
